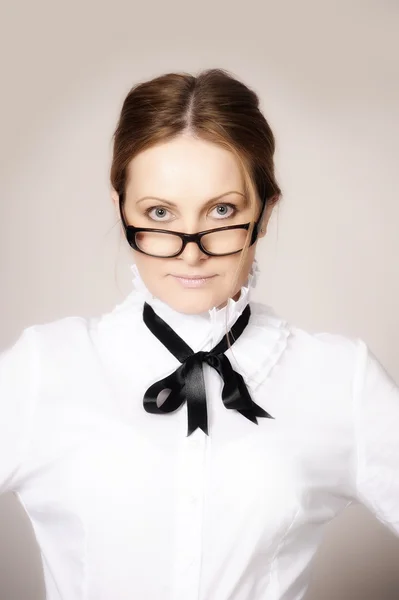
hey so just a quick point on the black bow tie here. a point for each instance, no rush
(187, 382)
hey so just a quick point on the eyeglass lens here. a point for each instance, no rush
(166, 244)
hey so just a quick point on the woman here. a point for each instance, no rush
(191, 444)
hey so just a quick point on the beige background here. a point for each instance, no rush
(327, 75)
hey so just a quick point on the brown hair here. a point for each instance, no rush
(213, 106)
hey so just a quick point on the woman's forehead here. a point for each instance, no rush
(184, 167)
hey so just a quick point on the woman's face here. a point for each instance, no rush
(188, 185)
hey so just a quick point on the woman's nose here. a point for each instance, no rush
(192, 254)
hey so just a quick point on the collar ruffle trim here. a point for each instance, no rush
(269, 332)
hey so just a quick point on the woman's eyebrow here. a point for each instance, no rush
(169, 203)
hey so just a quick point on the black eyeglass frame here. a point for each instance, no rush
(131, 230)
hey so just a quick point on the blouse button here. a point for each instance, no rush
(196, 443)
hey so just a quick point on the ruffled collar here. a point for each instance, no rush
(254, 355)
(204, 330)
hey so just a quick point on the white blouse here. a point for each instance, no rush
(125, 505)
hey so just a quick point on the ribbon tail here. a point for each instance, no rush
(254, 410)
(235, 393)
(197, 413)
(198, 422)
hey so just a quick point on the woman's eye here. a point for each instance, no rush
(224, 210)
(157, 213)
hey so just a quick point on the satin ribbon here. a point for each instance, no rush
(187, 383)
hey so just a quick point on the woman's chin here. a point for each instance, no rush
(191, 306)
(193, 302)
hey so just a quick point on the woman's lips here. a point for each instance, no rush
(190, 281)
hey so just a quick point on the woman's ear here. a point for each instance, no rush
(265, 220)
(115, 200)
(115, 197)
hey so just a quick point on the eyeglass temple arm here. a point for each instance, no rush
(121, 196)
(255, 231)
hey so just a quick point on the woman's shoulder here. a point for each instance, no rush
(309, 358)
(78, 333)
(60, 331)
(49, 332)
(321, 343)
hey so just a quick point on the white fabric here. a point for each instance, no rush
(124, 505)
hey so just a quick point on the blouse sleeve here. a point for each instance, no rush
(18, 387)
(376, 415)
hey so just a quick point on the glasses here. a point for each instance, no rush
(163, 243)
